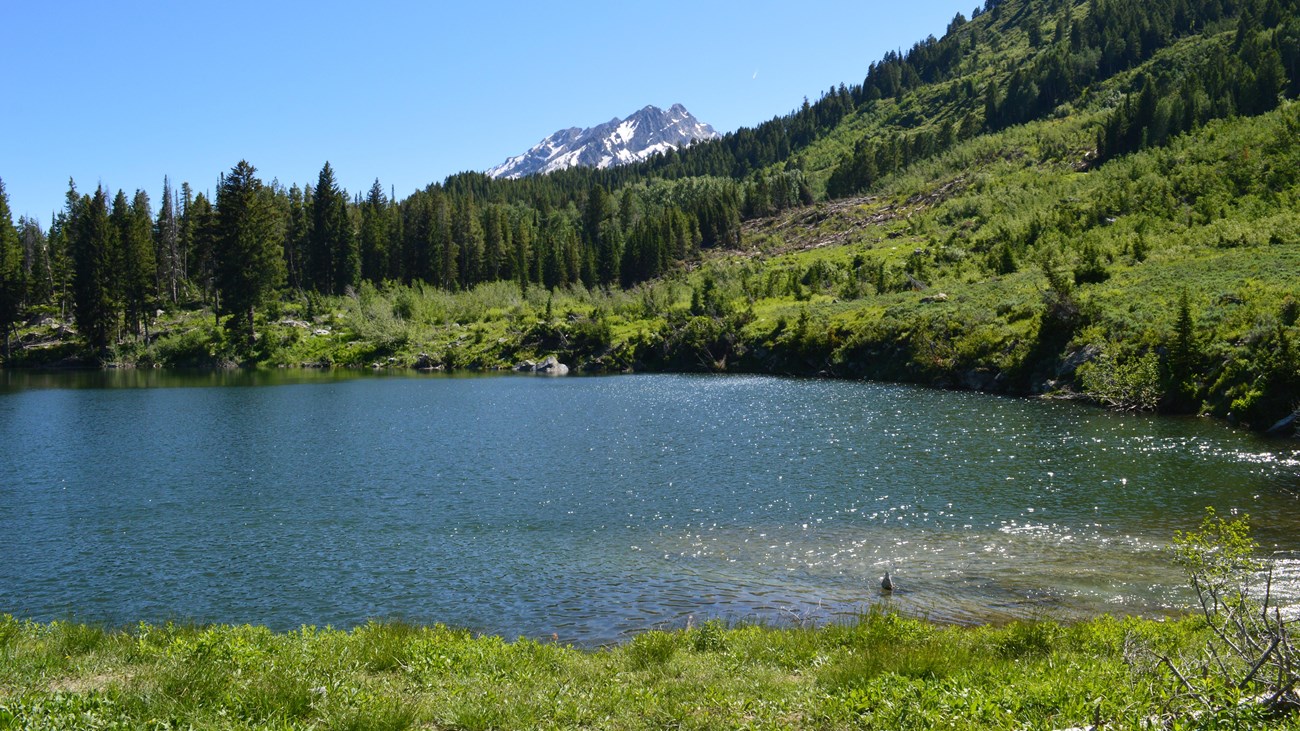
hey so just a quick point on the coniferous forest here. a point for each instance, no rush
(1097, 198)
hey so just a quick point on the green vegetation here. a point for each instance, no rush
(883, 672)
(1094, 199)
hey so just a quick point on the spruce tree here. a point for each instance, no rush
(296, 242)
(36, 262)
(167, 246)
(139, 271)
(248, 261)
(92, 242)
(467, 237)
(12, 283)
(333, 261)
(374, 234)
(201, 222)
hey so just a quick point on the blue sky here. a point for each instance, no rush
(122, 93)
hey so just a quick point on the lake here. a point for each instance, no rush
(589, 508)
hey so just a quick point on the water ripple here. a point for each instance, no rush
(594, 507)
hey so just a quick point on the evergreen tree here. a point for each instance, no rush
(374, 234)
(60, 258)
(249, 265)
(138, 270)
(13, 286)
(1181, 388)
(602, 236)
(36, 262)
(467, 234)
(167, 249)
(444, 256)
(92, 242)
(521, 239)
(185, 244)
(296, 237)
(201, 221)
(496, 233)
(333, 259)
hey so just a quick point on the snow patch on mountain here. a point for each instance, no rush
(640, 136)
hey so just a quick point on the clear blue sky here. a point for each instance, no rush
(122, 93)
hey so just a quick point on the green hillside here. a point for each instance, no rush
(1092, 199)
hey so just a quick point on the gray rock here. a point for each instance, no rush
(552, 367)
(1071, 363)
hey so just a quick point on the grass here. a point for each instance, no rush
(883, 671)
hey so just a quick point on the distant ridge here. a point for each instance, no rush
(617, 142)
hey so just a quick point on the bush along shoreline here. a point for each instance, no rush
(703, 321)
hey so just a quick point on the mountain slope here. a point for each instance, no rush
(640, 136)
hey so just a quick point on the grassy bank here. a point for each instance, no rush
(882, 672)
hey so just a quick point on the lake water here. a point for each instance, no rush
(589, 508)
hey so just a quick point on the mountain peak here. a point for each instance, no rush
(638, 136)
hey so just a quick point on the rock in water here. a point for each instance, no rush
(552, 367)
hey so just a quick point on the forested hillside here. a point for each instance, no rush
(1091, 198)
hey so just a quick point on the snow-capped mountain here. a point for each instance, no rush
(616, 142)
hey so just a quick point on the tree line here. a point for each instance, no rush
(110, 261)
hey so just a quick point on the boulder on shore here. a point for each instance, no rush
(552, 367)
(549, 367)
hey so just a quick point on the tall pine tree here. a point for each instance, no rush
(167, 246)
(139, 271)
(333, 260)
(374, 234)
(92, 242)
(248, 260)
(12, 283)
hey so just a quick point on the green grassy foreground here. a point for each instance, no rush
(884, 672)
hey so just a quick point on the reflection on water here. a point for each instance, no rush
(591, 507)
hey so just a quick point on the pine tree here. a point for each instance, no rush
(92, 241)
(248, 260)
(374, 234)
(467, 238)
(139, 273)
(167, 250)
(333, 261)
(61, 265)
(1182, 366)
(201, 221)
(496, 233)
(296, 237)
(36, 262)
(185, 244)
(13, 287)
(443, 254)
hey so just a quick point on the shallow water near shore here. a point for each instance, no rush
(588, 508)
